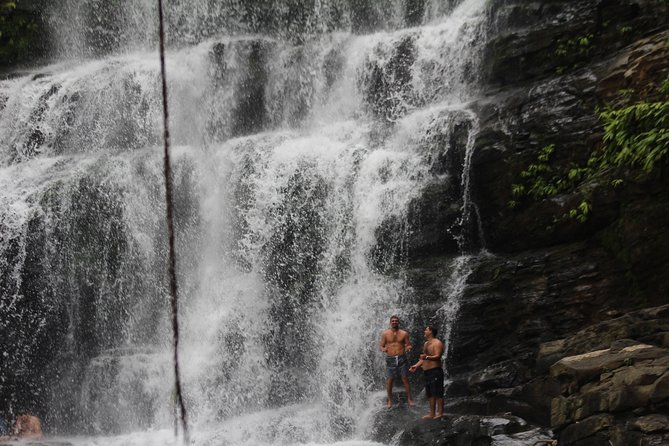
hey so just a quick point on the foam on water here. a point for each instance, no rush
(93, 27)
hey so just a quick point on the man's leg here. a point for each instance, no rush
(430, 416)
(440, 393)
(389, 392)
(407, 388)
(440, 407)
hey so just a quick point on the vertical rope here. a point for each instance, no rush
(170, 229)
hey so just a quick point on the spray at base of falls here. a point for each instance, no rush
(295, 170)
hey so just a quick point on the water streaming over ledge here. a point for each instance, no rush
(296, 166)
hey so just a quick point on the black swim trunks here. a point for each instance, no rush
(434, 383)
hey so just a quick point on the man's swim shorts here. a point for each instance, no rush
(434, 383)
(397, 366)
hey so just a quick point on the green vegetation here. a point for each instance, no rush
(626, 93)
(19, 34)
(664, 87)
(578, 44)
(542, 180)
(568, 50)
(625, 30)
(636, 138)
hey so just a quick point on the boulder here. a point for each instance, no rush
(650, 423)
(573, 371)
(604, 391)
(586, 429)
(471, 430)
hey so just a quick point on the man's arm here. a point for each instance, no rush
(414, 367)
(383, 342)
(421, 358)
(439, 350)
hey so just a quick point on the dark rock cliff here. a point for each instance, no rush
(553, 289)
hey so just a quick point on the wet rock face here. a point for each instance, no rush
(405, 428)
(245, 113)
(434, 218)
(544, 38)
(637, 71)
(559, 107)
(387, 85)
(565, 325)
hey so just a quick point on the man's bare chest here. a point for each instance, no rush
(431, 348)
(395, 337)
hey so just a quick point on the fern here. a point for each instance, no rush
(635, 136)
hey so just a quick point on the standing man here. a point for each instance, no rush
(430, 361)
(395, 344)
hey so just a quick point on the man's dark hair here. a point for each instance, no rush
(433, 329)
(394, 317)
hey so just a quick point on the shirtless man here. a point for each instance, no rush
(430, 361)
(26, 427)
(395, 344)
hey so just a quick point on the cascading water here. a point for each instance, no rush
(296, 164)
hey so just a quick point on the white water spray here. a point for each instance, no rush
(290, 163)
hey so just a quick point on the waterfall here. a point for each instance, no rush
(297, 162)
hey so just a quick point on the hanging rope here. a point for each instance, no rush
(170, 229)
